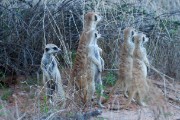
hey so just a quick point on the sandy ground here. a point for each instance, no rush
(25, 103)
(135, 112)
(138, 114)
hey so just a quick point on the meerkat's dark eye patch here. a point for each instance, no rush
(55, 48)
(95, 18)
(143, 39)
(132, 33)
(133, 39)
(95, 35)
(46, 49)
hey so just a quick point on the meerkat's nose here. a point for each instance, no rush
(59, 50)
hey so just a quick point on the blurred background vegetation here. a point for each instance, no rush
(27, 25)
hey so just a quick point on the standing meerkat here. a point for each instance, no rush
(98, 79)
(51, 74)
(91, 19)
(126, 61)
(95, 66)
(139, 83)
(78, 73)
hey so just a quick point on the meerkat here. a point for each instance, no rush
(126, 61)
(51, 74)
(78, 74)
(91, 19)
(98, 79)
(95, 66)
(139, 85)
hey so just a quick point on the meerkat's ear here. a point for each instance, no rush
(95, 17)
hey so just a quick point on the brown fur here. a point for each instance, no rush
(79, 74)
(126, 61)
(95, 66)
(139, 83)
(81, 58)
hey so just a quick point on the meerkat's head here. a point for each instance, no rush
(91, 19)
(92, 35)
(140, 39)
(129, 32)
(51, 49)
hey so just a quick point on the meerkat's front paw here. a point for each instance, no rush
(100, 68)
